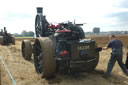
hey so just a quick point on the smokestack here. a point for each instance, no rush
(39, 10)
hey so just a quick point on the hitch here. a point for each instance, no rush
(98, 49)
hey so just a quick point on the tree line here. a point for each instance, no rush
(24, 33)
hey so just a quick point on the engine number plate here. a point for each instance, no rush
(83, 47)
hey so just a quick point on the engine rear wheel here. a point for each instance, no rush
(26, 49)
(44, 52)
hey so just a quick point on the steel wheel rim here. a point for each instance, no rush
(39, 58)
(23, 50)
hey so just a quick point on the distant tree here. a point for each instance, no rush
(96, 30)
(125, 32)
(16, 35)
(25, 33)
(31, 33)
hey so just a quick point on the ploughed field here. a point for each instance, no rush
(24, 71)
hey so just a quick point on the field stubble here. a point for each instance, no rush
(24, 72)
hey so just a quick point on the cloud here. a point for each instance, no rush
(119, 20)
(120, 17)
(123, 4)
(18, 15)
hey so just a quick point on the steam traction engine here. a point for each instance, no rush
(6, 38)
(60, 47)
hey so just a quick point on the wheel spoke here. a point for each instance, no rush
(39, 49)
(40, 68)
(39, 58)
(40, 62)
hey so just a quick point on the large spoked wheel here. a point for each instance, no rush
(26, 49)
(44, 52)
(81, 34)
(39, 26)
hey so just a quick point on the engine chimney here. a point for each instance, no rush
(39, 10)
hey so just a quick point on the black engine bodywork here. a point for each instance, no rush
(73, 51)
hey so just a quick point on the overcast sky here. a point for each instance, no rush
(109, 15)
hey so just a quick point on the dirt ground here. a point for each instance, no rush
(24, 72)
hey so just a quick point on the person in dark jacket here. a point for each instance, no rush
(116, 55)
(126, 62)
